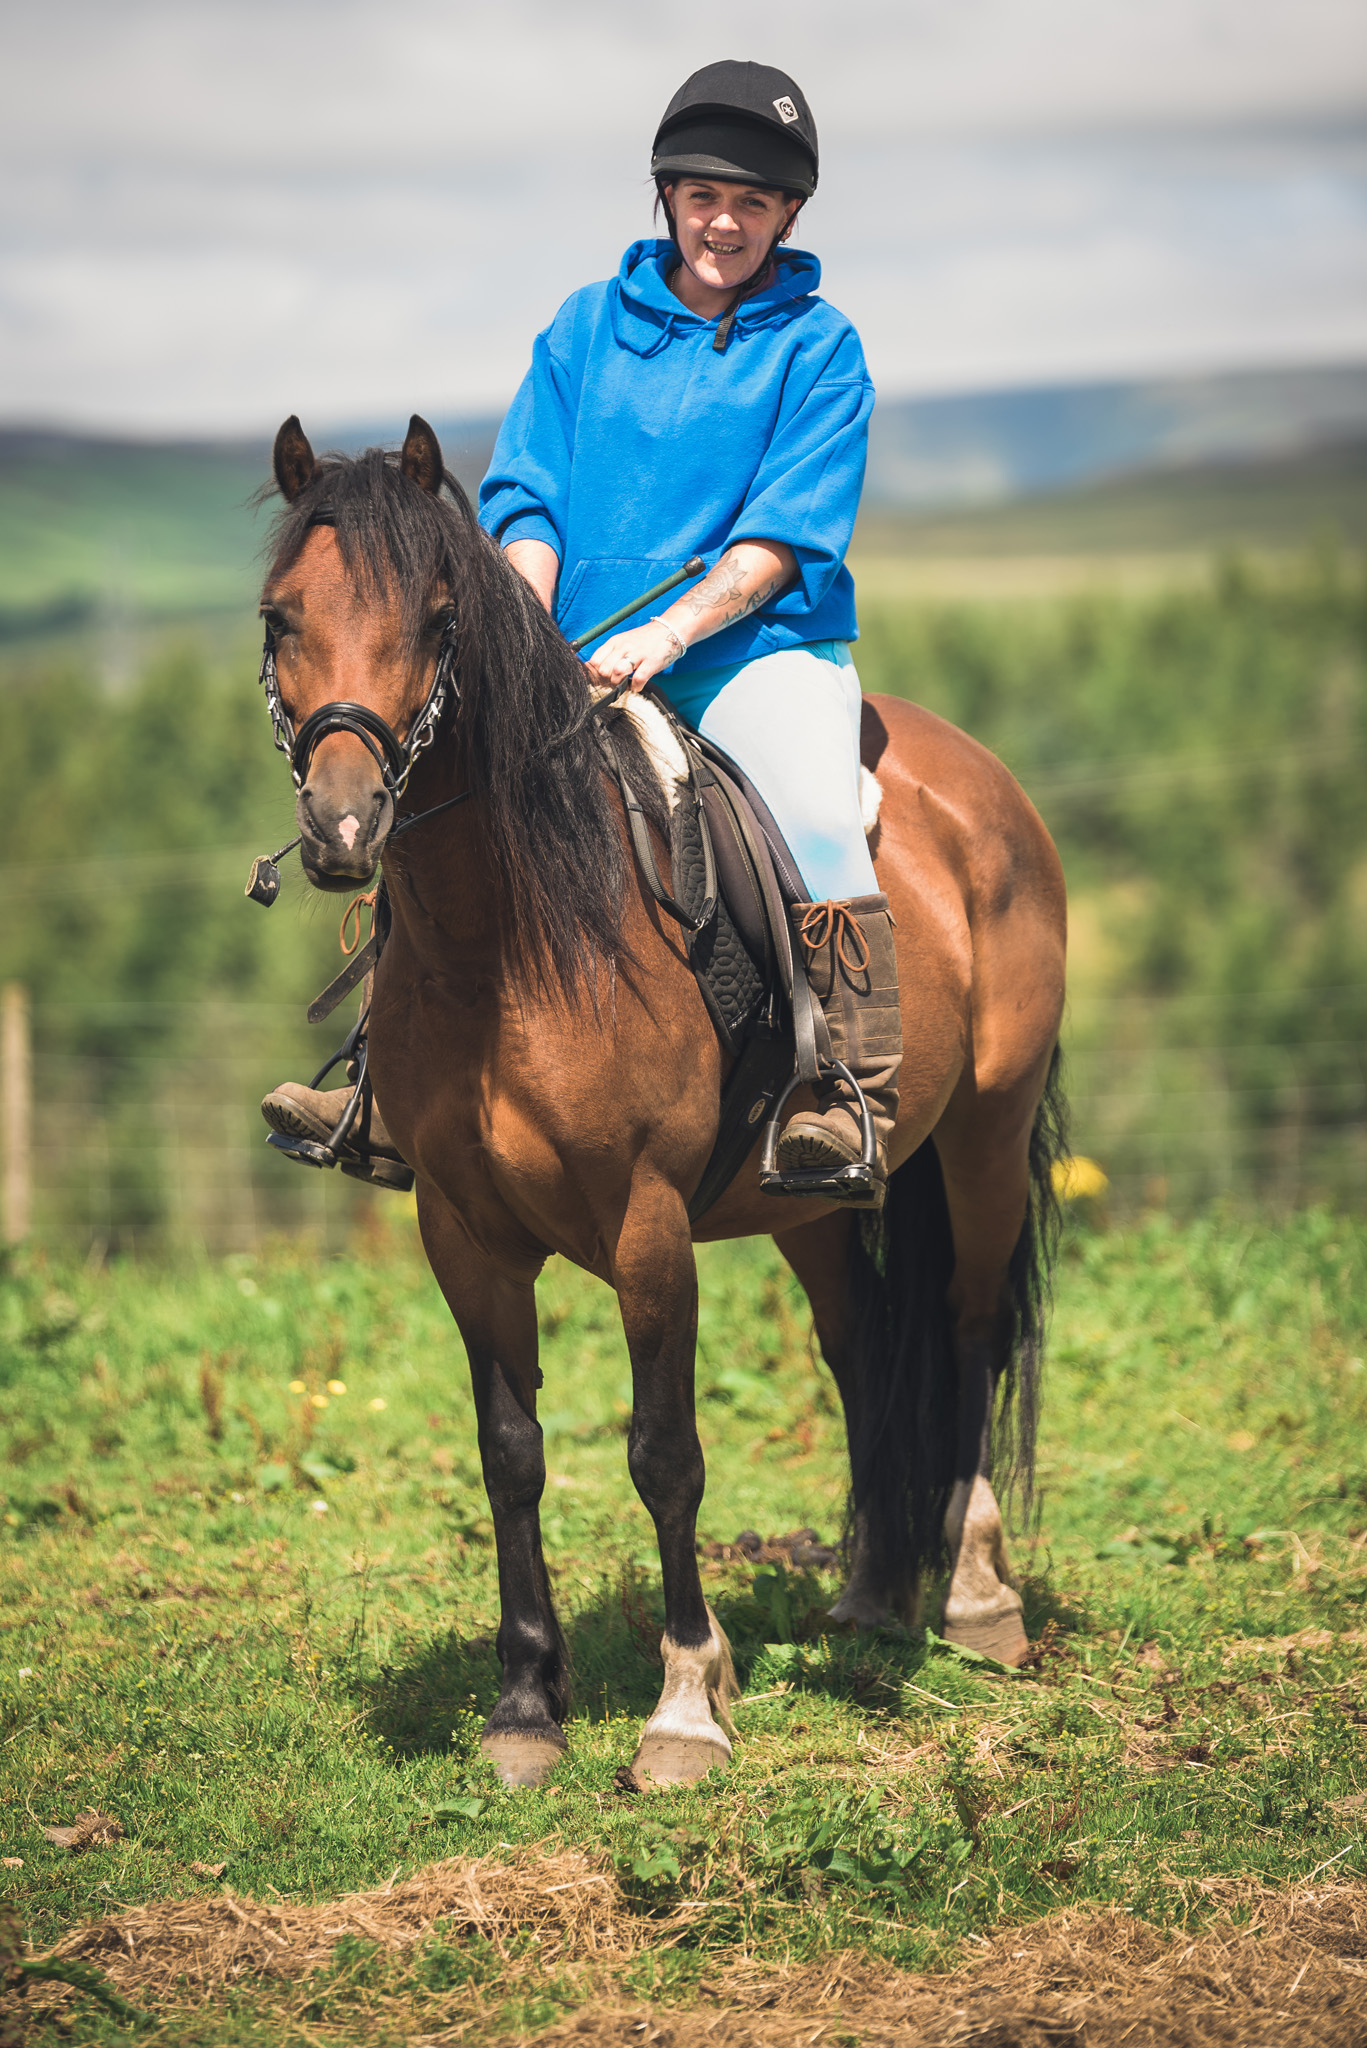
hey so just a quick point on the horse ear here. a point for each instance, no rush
(293, 459)
(421, 459)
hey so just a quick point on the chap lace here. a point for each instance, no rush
(831, 924)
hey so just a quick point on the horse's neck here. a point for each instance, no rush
(440, 877)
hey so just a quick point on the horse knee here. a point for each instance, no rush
(667, 1470)
(514, 1462)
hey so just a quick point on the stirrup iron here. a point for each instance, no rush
(854, 1183)
(361, 1163)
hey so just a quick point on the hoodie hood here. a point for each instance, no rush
(646, 315)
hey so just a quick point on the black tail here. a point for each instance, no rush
(902, 1454)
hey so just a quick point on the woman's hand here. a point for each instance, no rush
(641, 654)
(746, 577)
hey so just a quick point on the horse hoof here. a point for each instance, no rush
(862, 1609)
(677, 1760)
(999, 1636)
(522, 1760)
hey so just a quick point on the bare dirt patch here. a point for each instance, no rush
(180, 1948)
(1296, 1974)
(1274, 1967)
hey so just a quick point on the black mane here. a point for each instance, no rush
(529, 746)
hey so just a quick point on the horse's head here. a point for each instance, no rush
(355, 605)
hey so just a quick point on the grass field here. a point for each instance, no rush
(247, 1596)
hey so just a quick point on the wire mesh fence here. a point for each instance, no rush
(1197, 757)
(141, 1148)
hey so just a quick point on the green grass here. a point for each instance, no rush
(257, 1630)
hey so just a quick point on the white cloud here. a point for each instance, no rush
(215, 211)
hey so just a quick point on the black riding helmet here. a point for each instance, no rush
(738, 121)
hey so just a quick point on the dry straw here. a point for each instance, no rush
(570, 1902)
(1275, 1966)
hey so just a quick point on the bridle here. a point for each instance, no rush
(393, 757)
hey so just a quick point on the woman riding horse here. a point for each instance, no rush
(707, 401)
(539, 1046)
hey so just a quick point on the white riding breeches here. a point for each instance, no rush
(791, 721)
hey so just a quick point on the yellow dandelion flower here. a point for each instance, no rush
(336, 1386)
(1078, 1179)
(318, 1400)
(299, 1386)
(379, 1404)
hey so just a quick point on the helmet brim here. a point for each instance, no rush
(697, 165)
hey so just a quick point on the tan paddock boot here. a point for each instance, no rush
(312, 1113)
(851, 963)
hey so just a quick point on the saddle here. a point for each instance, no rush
(733, 883)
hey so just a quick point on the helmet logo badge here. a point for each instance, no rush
(786, 111)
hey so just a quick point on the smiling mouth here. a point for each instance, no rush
(723, 248)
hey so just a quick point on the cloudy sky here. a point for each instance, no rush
(215, 212)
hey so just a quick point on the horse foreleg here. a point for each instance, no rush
(496, 1314)
(657, 1287)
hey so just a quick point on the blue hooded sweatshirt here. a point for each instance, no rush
(634, 444)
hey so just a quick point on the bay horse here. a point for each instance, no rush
(542, 1057)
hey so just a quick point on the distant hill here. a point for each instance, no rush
(90, 526)
(1279, 502)
(985, 447)
(96, 528)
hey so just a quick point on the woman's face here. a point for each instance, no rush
(724, 231)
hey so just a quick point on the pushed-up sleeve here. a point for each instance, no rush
(806, 490)
(526, 492)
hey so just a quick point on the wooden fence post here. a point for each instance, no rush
(16, 1111)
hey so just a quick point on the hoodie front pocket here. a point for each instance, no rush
(602, 586)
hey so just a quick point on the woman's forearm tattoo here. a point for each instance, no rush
(722, 597)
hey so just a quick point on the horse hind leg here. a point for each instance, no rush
(982, 1607)
(996, 1161)
(918, 1333)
